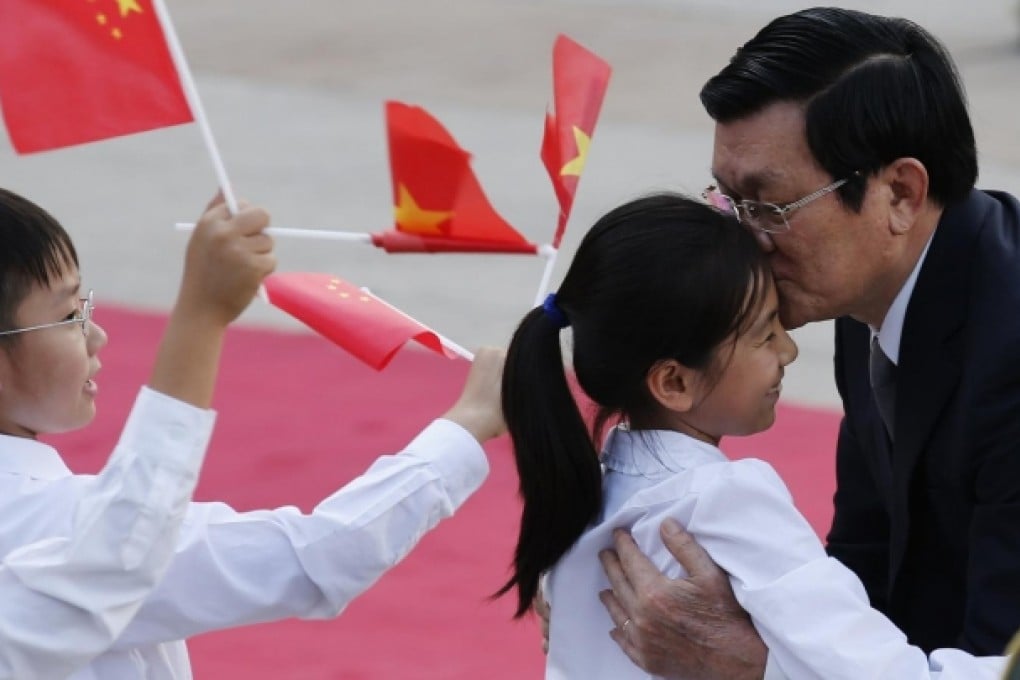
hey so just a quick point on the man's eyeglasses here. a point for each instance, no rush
(767, 217)
(82, 317)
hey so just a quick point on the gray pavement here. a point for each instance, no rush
(295, 93)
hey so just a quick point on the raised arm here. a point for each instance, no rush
(66, 599)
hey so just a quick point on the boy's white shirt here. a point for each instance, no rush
(232, 568)
(64, 599)
(811, 611)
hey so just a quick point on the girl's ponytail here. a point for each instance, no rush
(561, 480)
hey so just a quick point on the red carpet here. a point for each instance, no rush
(298, 418)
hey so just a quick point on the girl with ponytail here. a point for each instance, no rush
(676, 335)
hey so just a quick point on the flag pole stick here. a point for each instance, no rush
(321, 234)
(195, 102)
(446, 342)
(543, 286)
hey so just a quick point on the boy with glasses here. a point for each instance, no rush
(227, 568)
(65, 597)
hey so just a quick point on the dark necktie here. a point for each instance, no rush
(883, 384)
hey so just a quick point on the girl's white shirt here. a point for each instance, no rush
(810, 610)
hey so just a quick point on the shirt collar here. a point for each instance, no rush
(31, 458)
(891, 331)
(651, 452)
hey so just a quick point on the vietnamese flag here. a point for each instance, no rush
(438, 204)
(580, 79)
(353, 318)
(75, 71)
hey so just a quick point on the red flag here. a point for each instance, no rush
(75, 71)
(438, 204)
(580, 79)
(355, 319)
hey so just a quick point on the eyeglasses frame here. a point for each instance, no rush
(87, 307)
(778, 210)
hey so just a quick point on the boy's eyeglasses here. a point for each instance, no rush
(81, 317)
(767, 217)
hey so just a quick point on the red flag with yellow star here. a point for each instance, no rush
(580, 79)
(438, 204)
(353, 318)
(75, 71)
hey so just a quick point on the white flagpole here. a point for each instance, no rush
(320, 234)
(550, 263)
(197, 110)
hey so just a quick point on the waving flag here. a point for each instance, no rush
(361, 323)
(75, 71)
(580, 79)
(439, 206)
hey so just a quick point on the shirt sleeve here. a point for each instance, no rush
(66, 599)
(233, 568)
(811, 611)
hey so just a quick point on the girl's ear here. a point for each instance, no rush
(672, 385)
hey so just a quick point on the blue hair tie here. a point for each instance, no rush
(553, 311)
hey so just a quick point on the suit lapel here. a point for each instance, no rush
(929, 366)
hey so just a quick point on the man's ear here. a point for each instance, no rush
(672, 385)
(907, 179)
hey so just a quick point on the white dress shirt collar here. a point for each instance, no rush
(651, 453)
(31, 458)
(891, 331)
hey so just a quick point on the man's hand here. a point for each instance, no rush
(685, 628)
(541, 607)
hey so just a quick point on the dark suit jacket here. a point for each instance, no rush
(932, 526)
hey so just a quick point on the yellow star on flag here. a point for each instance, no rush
(575, 166)
(414, 219)
(128, 6)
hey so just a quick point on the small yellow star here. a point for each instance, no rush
(116, 33)
(127, 6)
(575, 166)
(414, 219)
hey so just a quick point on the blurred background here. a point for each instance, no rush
(294, 93)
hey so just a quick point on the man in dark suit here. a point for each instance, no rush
(843, 140)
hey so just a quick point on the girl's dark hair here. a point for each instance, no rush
(34, 249)
(874, 88)
(662, 277)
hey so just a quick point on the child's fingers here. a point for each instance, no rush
(250, 220)
(259, 243)
(265, 264)
(216, 200)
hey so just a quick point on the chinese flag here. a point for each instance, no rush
(438, 204)
(75, 71)
(361, 323)
(580, 79)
